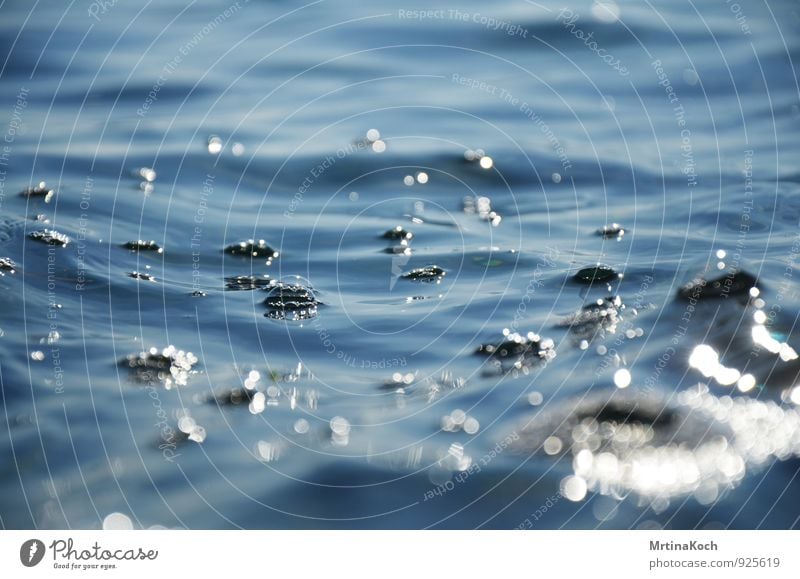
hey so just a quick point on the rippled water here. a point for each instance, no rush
(510, 265)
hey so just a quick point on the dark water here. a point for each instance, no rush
(356, 399)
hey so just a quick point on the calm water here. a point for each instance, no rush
(357, 399)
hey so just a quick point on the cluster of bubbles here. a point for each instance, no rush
(482, 206)
(147, 177)
(375, 142)
(421, 178)
(214, 144)
(340, 431)
(479, 156)
(41, 190)
(459, 420)
(189, 427)
(50, 237)
(171, 366)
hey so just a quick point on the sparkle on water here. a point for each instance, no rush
(704, 450)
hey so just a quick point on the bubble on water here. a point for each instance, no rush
(574, 488)
(340, 425)
(379, 146)
(794, 396)
(258, 403)
(37, 355)
(447, 424)
(622, 378)
(535, 398)
(187, 424)
(408, 180)
(301, 426)
(470, 155)
(117, 522)
(754, 292)
(458, 416)
(198, 434)
(552, 445)
(373, 135)
(556, 177)
(422, 177)
(237, 149)
(471, 425)
(214, 145)
(146, 173)
(353, 196)
(486, 162)
(721, 254)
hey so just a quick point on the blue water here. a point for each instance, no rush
(679, 121)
